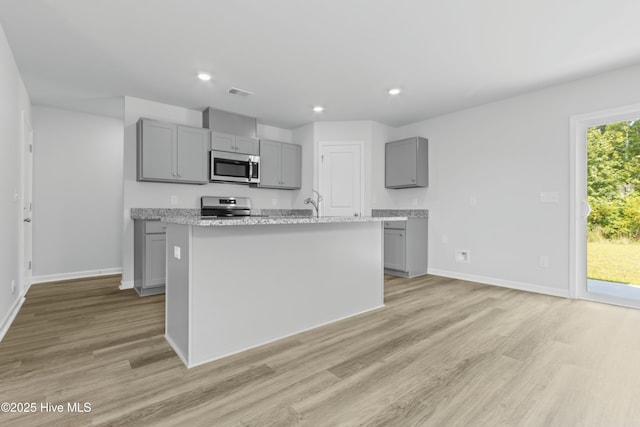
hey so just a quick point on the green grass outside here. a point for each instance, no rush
(614, 261)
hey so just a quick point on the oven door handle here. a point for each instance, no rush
(250, 171)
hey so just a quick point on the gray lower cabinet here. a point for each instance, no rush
(234, 144)
(149, 249)
(405, 247)
(280, 165)
(407, 163)
(168, 152)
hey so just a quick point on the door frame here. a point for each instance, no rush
(27, 144)
(578, 208)
(360, 144)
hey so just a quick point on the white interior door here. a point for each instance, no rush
(27, 204)
(341, 179)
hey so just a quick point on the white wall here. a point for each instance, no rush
(304, 136)
(14, 102)
(77, 194)
(158, 195)
(504, 154)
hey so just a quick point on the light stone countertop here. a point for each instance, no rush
(268, 217)
(410, 213)
(274, 220)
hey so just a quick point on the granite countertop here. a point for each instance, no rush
(270, 216)
(409, 213)
(272, 220)
(163, 213)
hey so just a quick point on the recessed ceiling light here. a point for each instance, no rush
(204, 76)
(318, 108)
(394, 91)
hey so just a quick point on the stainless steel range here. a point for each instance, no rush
(225, 207)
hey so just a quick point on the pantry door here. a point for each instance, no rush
(341, 178)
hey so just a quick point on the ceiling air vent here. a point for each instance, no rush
(239, 92)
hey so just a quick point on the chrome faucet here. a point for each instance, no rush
(315, 203)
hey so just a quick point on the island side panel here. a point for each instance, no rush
(177, 290)
(256, 284)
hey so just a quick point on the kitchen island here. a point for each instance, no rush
(234, 284)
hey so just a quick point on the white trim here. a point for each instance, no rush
(26, 129)
(578, 125)
(521, 286)
(10, 317)
(75, 275)
(125, 284)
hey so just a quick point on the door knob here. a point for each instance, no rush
(27, 220)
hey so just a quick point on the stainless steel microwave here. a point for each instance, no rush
(234, 167)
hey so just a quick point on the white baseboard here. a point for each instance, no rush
(75, 275)
(126, 284)
(11, 315)
(529, 287)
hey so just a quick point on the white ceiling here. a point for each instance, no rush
(446, 55)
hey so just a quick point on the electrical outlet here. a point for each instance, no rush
(274, 202)
(544, 261)
(463, 256)
(415, 202)
(13, 287)
(174, 200)
(176, 252)
(445, 238)
(473, 201)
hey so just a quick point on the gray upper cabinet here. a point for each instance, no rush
(407, 163)
(168, 152)
(234, 144)
(280, 165)
(247, 145)
(193, 150)
(156, 150)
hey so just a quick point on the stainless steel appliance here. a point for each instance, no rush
(234, 167)
(217, 206)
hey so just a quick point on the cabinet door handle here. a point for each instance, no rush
(179, 176)
(413, 180)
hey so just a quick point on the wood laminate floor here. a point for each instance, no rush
(442, 352)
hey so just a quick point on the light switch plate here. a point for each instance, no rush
(176, 252)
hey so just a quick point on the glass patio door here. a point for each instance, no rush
(613, 221)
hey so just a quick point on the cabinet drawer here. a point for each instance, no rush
(154, 227)
(395, 225)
